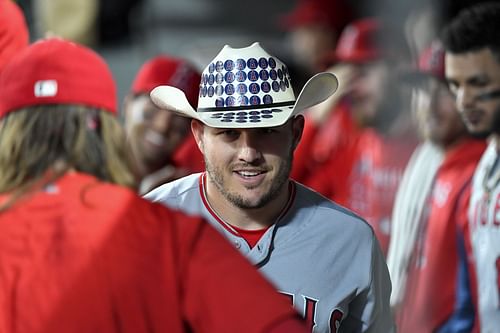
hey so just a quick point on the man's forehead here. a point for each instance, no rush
(473, 63)
(289, 121)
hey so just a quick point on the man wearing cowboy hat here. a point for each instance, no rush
(325, 259)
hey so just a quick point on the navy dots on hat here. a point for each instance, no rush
(223, 74)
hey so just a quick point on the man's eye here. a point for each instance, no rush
(231, 133)
(267, 130)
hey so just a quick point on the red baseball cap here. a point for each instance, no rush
(333, 13)
(13, 31)
(55, 71)
(359, 42)
(430, 63)
(165, 70)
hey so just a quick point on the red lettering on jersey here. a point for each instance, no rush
(310, 312)
(335, 319)
(290, 297)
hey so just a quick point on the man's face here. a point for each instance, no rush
(248, 168)
(474, 79)
(310, 44)
(367, 90)
(440, 120)
(154, 133)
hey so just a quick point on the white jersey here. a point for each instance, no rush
(323, 257)
(484, 219)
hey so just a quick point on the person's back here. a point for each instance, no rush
(87, 252)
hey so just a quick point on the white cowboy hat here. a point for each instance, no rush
(246, 88)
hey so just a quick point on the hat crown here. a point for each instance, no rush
(358, 41)
(244, 77)
(56, 71)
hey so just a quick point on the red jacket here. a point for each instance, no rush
(325, 156)
(88, 256)
(431, 297)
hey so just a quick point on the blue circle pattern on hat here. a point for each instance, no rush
(245, 90)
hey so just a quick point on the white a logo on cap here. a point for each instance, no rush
(46, 88)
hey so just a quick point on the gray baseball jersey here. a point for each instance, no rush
(323, 257)
(484, 224)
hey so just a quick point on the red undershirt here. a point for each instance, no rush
(251, 236)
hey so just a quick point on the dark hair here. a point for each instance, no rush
(474, 28)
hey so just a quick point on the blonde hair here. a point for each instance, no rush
(40, 143)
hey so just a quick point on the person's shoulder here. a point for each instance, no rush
(329, 213)
(174, 189)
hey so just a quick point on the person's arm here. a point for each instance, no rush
(289, 325)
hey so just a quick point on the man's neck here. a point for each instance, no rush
(246, 218)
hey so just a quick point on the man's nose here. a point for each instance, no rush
(249, 149)
(465, 98)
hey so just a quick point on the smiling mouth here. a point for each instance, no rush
(249, 174)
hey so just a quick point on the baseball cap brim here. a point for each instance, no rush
(316, 90)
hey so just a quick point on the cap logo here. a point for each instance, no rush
(46, 88)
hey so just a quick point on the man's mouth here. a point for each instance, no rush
(249, 174)
(473, 116)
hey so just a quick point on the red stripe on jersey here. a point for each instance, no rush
(251, 236)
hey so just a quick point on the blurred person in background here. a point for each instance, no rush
(162, 144)
(332, 128)
(313, 27)
(427, 255)
(362, 140)
(88, 22)
(472, 70)
(14, 34)
(79, 250)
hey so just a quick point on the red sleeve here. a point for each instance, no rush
(222, 291)
(289, 325)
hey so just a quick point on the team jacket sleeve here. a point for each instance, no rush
(222, 292)
(370, 311)
(463, 317)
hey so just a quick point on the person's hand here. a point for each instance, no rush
(344, 73)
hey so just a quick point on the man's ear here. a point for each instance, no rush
(197, 128)
(297, 129)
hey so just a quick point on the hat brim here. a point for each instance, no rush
(316, 90)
